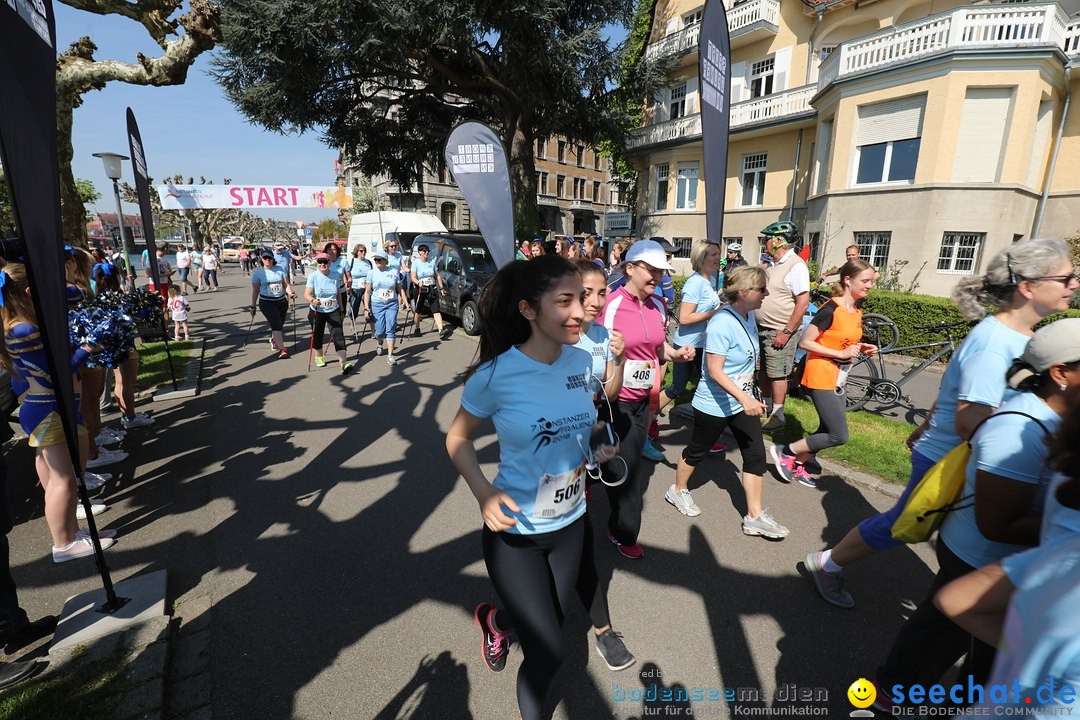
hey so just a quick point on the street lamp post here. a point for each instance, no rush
(112, 163)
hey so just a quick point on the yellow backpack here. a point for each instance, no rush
(938, 493)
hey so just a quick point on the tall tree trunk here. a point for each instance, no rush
(523, 181)
(72, 210)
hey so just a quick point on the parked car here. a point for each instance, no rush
(466, 266)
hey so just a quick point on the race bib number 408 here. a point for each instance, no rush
(639, 374)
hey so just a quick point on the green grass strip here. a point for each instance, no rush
(154, 365)
(85, 689)
(875, 444)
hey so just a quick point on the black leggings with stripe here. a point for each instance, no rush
(536, 576)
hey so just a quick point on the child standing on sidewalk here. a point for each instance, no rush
(178, 306)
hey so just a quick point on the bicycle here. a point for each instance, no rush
(868, 380)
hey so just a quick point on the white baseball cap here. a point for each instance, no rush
(1058, 342)
(650, 252)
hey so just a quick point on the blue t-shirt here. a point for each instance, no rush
(282, 258)
(1010, 446)
(1058, 520)
(383, 284)
(271, 282)
(730, 335)
(543, 417)
(394, 261)
(425, 271)
(358, 271)
(338, 268)
(324, 287)
(597, 342)
(698, 290)
(976, 374)
(1041, 636)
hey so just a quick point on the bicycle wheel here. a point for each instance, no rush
(880, 330)
(861, 379)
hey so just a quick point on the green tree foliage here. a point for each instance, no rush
(330, 230)
(88, 194)
(182, 38)
(386, 80)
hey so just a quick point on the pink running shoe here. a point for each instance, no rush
(718, 447)
(804, 477)
(785, 464)
(495, 646)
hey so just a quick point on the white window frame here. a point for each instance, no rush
(692, 18)
(762, 77)
(686, 185)
(885, 168)
(677, 102)
(874, 247)
(662, 175)
(560, 186)
(951, 245)
(542, 182)
(753, 165)
(682, 246)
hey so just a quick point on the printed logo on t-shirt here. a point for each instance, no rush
(547, 431)
(573, 382)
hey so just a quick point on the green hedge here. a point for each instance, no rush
(908, 310)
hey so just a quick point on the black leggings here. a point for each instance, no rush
(274, 311)
(356, 302)
(535, 577)
(319, 321)
(631, 423)
(832, 421)
(747, 432)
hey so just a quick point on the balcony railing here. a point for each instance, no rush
(674, 44)
(770, 108)
(776, 106)
(995, 27)
(580, 204)
(684, 128)
(546, 199)
(745, 15)
(740, 19)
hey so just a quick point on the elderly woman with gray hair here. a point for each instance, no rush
(1024, 283)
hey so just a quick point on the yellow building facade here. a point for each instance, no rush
(923, 132)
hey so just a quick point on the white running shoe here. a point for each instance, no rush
(107, 437)
(391, 360)
(683, 501)
(80, 547)
(96, 508)
(137, 421)
(105, 458)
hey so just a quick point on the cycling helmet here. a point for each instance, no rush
(782, 228)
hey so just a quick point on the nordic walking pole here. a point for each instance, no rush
(311, 344)
(248, 333)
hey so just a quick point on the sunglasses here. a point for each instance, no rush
(323, 262)
(760, 289)
(1063, 279)
(650, 269)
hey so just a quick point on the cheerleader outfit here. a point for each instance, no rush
(39, 413)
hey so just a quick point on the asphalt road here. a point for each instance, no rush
(342, 552)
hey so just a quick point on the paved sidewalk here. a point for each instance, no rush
(324, 558)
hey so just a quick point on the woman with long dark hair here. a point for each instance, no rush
(534, 387)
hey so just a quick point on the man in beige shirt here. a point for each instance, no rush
(780, 317)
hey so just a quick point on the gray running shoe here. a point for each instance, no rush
(683, 501)
(611, 647)
(829, 585)
(391, 360)
(764, 525)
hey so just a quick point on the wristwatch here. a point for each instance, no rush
(787, 332)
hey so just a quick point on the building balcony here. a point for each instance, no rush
(546, 199)
(777, 107)
(771, 108)
(988, 27)
(747, 23)
(580, 204)
(753, 21)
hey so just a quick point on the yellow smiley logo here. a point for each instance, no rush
(862, 693)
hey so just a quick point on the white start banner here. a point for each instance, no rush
(204, 197)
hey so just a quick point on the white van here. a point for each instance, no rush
(375, 228)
